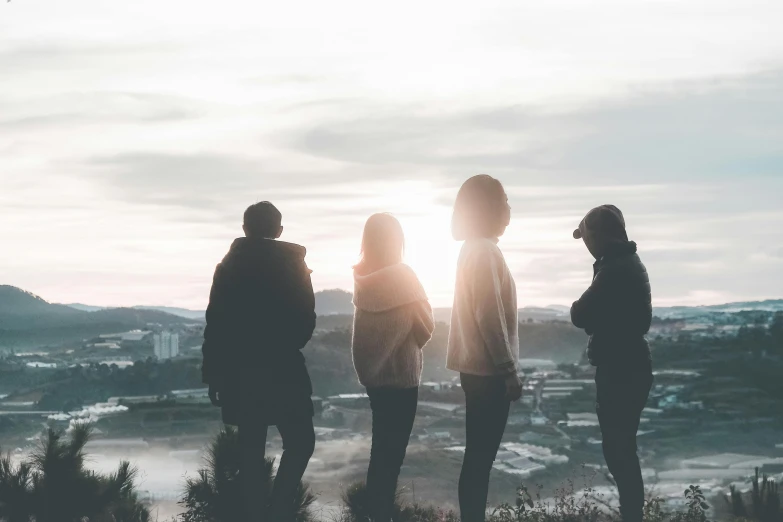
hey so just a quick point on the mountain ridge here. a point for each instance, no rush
(16, 303)
(327, 302)
(28, 319)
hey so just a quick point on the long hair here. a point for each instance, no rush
(481, 209)
(383, 243)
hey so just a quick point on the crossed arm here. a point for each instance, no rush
(587, 312)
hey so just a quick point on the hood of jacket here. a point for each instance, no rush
(260, 252)
(387, 288)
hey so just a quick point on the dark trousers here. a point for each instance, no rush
(485, 421)
(393, 412)
(298, 445)
(621, 396)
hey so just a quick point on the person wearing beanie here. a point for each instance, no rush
(616, 312)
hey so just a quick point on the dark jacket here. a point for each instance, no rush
(261, 314)
(616, 310)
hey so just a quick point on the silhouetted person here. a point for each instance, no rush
(392, 322)
(484, 336)
(616, 312)
(261, 314)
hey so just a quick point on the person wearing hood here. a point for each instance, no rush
(261, 314)
(484, 334)
(392, 322)
(616, 312)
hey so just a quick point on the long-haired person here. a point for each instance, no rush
(392, 322)
(484, 336)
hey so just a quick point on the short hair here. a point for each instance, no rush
(481, 209)
(262, 220)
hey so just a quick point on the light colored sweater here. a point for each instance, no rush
(484, 334)
(392, 322)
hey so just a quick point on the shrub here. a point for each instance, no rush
(697, 507)
(52, 485)
(356, 509)
(568, 506)
(214, 495)
(587, 506)
(765, 501)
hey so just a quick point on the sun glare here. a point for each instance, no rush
(424, 211)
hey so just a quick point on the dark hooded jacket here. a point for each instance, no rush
(616, 310)
(261, 314)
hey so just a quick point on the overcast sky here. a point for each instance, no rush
(134, 133)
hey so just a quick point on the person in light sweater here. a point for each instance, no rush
(392, 323)
(483, 337)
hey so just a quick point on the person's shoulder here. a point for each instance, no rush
(637, 264)
(407, 271)
(402, 277)
(293, 255)
(629, 261)
(481, 250)
(623, 268)
(409, 274)
(481, 245)
(292, 248)
(233, 250)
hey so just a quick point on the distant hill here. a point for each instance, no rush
(442, 315)
(16, 304)
(558, 341)
(28, 320)
(84, 307)
(180, 312)
(541, 314)
(20, 309)
(331, 302)
(684, 312)
(137, 316)
(327, 302)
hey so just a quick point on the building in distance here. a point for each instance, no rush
(166, 345)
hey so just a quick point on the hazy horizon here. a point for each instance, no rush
(133, 135)
(521, 305)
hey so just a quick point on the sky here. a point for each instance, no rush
(134, 134)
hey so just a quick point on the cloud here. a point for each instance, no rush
(57, 56)
(70, 110)
(215, 188)
(700, 129)
(283, 79)
(668, 157)
(694, 165)
(650, 141)
(194, 181)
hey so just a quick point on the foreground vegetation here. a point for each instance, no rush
(213, 497)
(52, 485)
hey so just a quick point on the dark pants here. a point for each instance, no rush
(298, 445)
(621, 396)
(485, 421)
(393, 412)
